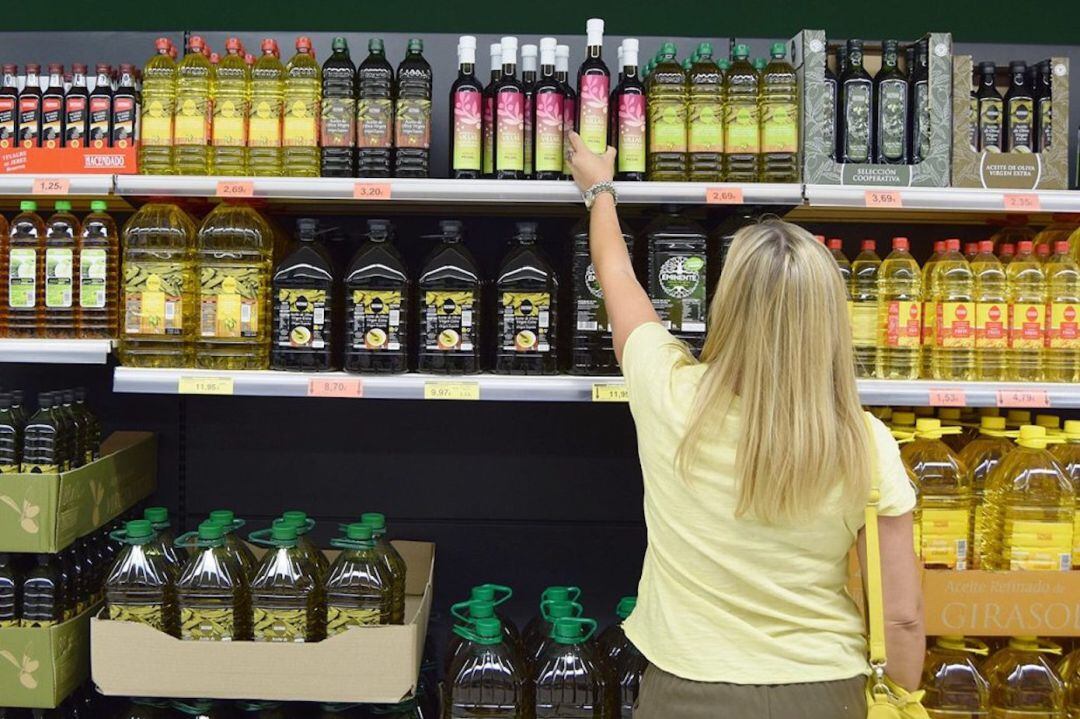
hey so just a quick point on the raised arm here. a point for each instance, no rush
(628, 305)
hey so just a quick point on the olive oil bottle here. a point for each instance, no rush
(140, 587)
(164, 543)
(591, 344)
(991, 114)
(919, 102)
(486, 678)
(548, 117)
(378, 297)
(285, 592)
(44, 443)
(358, 586)
(676, 249)
(890, 104)
(11, 437)
(466, 120)
(705, 119)
(98, 268)
(337, 128)
(212, 591)
(628, 134)
(1019, 110)
(393, 561)
(412, 114)
(509, 117)
(526, 307)
(304, 525)
(10, 592)
(25, 280)
(667, 107)
(374, 113)
(571, 678)
(449, 312)
(304, 302)
(488, 107)
(855, 140)
(227, 519)
(780, 118)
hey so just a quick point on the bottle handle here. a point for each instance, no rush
(344, 543)
(458, 611)
(547, 603)
(261, 537)
(507, 592)
(188, 540)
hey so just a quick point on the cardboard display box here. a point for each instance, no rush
(1046, 170)
(41, 666)
(69, 160)
(810, 53)
(363, 665)
(44, 513)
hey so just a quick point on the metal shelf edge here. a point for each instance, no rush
(45, 351)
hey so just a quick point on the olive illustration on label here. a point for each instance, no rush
(448, 339)
(375, 338)
(300, 335)
(525, 340)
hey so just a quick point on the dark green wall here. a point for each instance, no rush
(1058, 21)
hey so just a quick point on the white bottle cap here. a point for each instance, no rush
(496, 55)
(594, 29)
(547, 52)
(619, 52)
(629, 52)
(509, 51)
(467, 51)
(467, 41)
(562, 58)
(548, 42)
(528, 58)
(509, 42)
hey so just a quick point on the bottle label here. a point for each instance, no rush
(59, 266)
(489, 135)
(264, 127)
(229, 300)
(569, 113)
(230, 124)
(742, 131)
(922, 107)
(468, 131)
(593, 107)
(857, 122)
(892, 119)
(375, 124)
(413, 124)
(929, 320)
(75, 120)
(1021, 125)
(526, 322)
(990, 118)
(29, 118)
(300, 124)
(39, 468)
(100, 114)
(448, 321)
(338, 122)
(864, 317)
(1063, 332)
(780, 128)
(529, 134)
(1040, 546)
(1027, 326)
(903, 324)
(207, 625)
(828, 127)
(375, 320)
(678, 290)
(977, 530)
(667, 126)
(157, 123)
(973, 122)
(150, 614)
(192, 121)
(1046, 113)
(954, 325)
(153, 300)
(93, 271)
(52, 120)
(945, 537)
(631, 156)
(301, 318)
(22, 278)
(590, 311)
(510, 126)
(340, 619)
(279, 625)
(991, 325)
(549, 132)
(7, 122)
(123, 124)
(706, 127)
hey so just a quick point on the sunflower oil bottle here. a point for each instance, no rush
(1062, 358)
(1027, 316)
(212, 591)
(192, 115)
(954, 685)
(235, 256)
(953, 353)
(156, 117)
(140, 586)
(991, 314)
(60, 313)
(981, 456)
(164, 544)
(742, 119)
(1068, 456)
(160, 286)
(1022, 681)
(527, 291)
(945, 497)
(232, 93)
(304, 300)
(358, 585)
(779, 118)
(864, 308)
(570, 678)
(953, 417)
(98, 272)
(394, 562)
(227, 519)
(265, 114)
(486, 678)
(929, 308)
(285, 592)
(450, 311)
(378, 297)
(25, 250)
(667, 108)
(1017, 418)
(300, 133)
(899, 314)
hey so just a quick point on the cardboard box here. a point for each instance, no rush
(1046, 170)
(44, 513)
(363, 665)
(1002, 604)
(41, 666)
(810, 53)
(69, 160)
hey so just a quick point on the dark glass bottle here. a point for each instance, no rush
(526, 311)
(450, 306)
(466, 119)
(338, 126)
(548, 117)
(412, 114)
(43, 594)
(508, 143)
(841, 59)
(99, 113)
(10, 592)
(76, 115)
(591, 345)
(856, 109)
(488, 108)
(43, 441)
(678, 275)
(304, 297)
(80, 434)
(570, 98)
(919, 103)
(374, 113)
(628, 112)
(378, 293)
(52, 108)
(528, 82)
(1044, 97)
(125, 108)
(990, 113)
(93, 426)
(29, 121)
(831, 94)
(10, 437)
(594, 88)
(69, 581)
(9, 102)
(1019, 110)
(891, 115)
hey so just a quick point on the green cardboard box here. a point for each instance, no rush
(44, 513)
(41, 666)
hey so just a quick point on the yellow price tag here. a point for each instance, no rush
(452, 390)
(205, 385)
(610, 393)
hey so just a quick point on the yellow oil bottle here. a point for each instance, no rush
(1068, 456)
(1023, 684)
(140, 587)
(358, 585)
(903, 424)
(232, 92)
(954, 685)
(192, 114)
(394, 562)
(864, 308)
(1061, 228)
(235, 255)
(1012, 233)
(953, 417)
(899, 314)
(265, 113)
(981, 456)
(945, 497)
(953, 290)
(929, 307)
(212, 592)
(302, 105)
(991, 314)
(156, 116)
(1030, 509)
(1050, 422)
(160, 285)
(286, 596)
(1062, 363)
(1027, 316)
(1017, 418)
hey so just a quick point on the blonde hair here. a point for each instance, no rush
(780, 340)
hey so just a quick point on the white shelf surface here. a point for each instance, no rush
(47, 351)
(22, 185)
(944, 199)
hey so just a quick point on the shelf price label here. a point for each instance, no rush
(352, 388)
(1021, 202)
(371, 191)
(1023, 398)
(723, 196)
(610, 393)
(205, 385)
(452, 390)
(884, 198)
(51, 186)
(235, 188)
(947, 397)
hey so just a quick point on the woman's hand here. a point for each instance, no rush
(588, 167)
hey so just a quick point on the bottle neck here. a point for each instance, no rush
(9, 80)
(78, 80)
(509, 69)
(547, 71)
(466, 69)
(855, 59)
(630, 71)
(988, 79)
(103, 82)
(562, 75)
(595, 51)
(890, 59)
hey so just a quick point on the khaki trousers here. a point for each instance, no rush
(665, 696)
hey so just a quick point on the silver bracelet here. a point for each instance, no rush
(596, 190)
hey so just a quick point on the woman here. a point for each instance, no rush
(757, 462)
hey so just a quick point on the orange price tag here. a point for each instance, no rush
(948, 398)
(884, 198)
(723, 196)
(51, 186)
(235, 188)
(1023, 398)
(1023, 203)
(349, 388)
(371, 191)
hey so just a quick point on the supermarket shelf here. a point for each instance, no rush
(55, 351)
(926, 392)
(942, 199)
(23, 186)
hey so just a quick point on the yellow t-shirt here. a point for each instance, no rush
(726, 599)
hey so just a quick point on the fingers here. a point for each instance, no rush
(609, 156)
(576, 142)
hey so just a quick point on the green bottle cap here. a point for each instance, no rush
(295, 515)
(484, 593)
(489, 628)
(560, 594)
(62, 205)
(778, 50)
(724, 65)
(339, 44)
(359, 531)
(99, 205)
(668, 49)
(480, 609)
(416, 45)
(376, 520)
(28, 206)
(759, 63)
(224, 516)
(688, 63)
(139, 529)
(561, 610)
(742, 51)
(283, 531)
(567, 630)
(704, 49)
(626, 606)
(211, 530)
(156, 515)
(375, 44)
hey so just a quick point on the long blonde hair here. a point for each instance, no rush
(779, 339)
